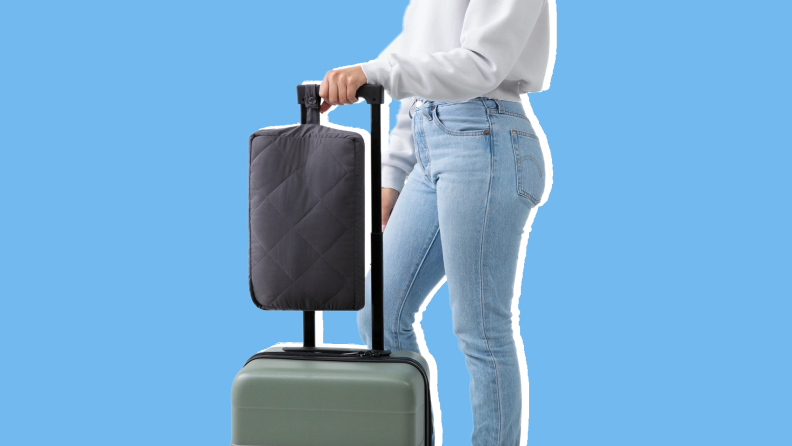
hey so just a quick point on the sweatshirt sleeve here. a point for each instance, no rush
(494, 33)
(399, 158)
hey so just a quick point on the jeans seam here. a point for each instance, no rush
(424, 169)
(506, 112)
(518, 164)
(407, 293)
(481, 284)
(428, 156)
(454, 132)
(528, 134)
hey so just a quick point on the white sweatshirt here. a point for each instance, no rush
(451, 50)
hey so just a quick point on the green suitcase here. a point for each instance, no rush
(331, 399)
(324, 396)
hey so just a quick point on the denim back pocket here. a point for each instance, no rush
(529, 163)
(467, 118)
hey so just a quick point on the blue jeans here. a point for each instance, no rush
(462, 215)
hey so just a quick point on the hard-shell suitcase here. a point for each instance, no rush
(322, 396)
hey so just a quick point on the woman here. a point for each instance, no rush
(462, 174)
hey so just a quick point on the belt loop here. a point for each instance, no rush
(500, 105)
(412, 107)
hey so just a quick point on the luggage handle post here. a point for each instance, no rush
(374, 95)
(377, 275)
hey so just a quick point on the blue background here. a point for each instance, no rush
(656, 297)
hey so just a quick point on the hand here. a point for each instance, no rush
(340, 85)
(389, 197)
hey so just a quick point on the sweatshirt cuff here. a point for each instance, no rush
(377, 71)
(393, 177)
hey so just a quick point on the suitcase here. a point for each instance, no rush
(318, 395)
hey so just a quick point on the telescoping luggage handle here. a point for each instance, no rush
(309, 100)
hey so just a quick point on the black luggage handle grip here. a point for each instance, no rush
(372, 93)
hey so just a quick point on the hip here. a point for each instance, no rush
(478, 140)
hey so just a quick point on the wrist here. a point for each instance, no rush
(393, 177)
(375, 71)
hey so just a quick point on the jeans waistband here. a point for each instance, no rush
(494, 104)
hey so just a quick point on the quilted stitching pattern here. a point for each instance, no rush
(306, 232)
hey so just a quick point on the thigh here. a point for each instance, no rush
(482, 219)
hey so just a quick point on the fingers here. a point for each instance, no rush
(323, 88)
(326, 89)
(339, 87)
(331, 92)
(351, 90)
(346, 88)
(387, 208)
(351, 84)
(389, 197)
(332, 89)
(324, 107)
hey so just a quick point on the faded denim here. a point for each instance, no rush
(462, 213)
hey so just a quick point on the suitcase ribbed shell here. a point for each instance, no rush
(287, 402)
